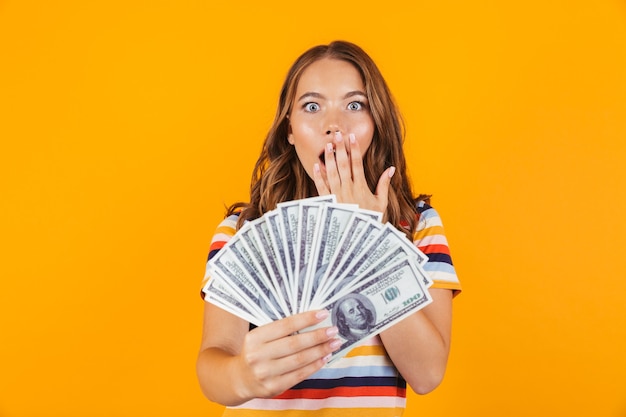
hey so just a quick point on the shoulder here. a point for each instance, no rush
(427, 217)
(228, 223)
(430, 238)
(225, 230)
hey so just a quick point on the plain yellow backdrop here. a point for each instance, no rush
(126, 126)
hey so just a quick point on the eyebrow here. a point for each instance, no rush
(312, 94)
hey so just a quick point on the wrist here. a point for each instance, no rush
(243, 390)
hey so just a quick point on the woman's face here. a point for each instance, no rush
(330, 97)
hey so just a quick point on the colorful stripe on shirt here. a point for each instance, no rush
(429, 237)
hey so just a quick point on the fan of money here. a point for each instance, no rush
(316, 253)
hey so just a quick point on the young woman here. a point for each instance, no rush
(336, 131)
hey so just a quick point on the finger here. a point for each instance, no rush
(287, 379)
(384, 182)
(356, 160)
(296, 376)
(306, 361)
(332, 175)
(320, 181)
(342, 159)
(297, 343)
(290, 352)
(287, 326)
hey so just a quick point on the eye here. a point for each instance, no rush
(355, 105)
(311, 107)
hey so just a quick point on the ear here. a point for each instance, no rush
(290, 135)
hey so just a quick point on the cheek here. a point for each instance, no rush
(306, 157)
(363, 129)
(364, 144)
(304, 146)
(303, 128)
(304, 138)
(364, 136)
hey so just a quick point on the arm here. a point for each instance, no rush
(419, 345)
(236, 365)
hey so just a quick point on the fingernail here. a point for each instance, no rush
(352, 138)
(331, 331)
(322, 314)
(335, 344)
(392, 171)
(316, 168)
(327, 357)
(329, 147)
(338, 136)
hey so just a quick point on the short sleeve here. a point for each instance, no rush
(223, 233)
(429, 237)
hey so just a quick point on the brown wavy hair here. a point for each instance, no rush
(278, 174)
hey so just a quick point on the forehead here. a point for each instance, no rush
(331, 75)
(349, 303)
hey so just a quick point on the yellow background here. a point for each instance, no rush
(126, 126)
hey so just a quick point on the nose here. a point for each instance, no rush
(333, 123)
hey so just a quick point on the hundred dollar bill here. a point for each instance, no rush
(306, 233)
(352, 233)
(278, 281)
(290, 220)
(389, 245)
(393, 256)
(384, 242)
(369, 235)
(227, 266)
(349, 282)
(333, 220)
(349, 251)
(392, 295)
(246, 238)
(250, 258)
(219, 293)
(277, 238)
(308, 210)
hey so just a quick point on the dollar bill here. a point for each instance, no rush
(333, 220)
(306, 233)
(266, 248)
(346, 286)
(257, 294)
(289, 218)
(389, 297)
(289, 212)
(219, 293)
(277, 238)
(387, 246)
(361, 232)
(384, 242)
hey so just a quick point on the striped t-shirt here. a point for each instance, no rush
(363, 383)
